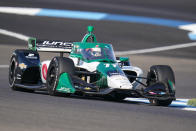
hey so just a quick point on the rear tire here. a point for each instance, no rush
(12, 75)
(57, 66)
(161, 73)
(12, 72)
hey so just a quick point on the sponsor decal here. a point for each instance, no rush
(152, 93)
(83, 78)
(57, 43)
(22, 66)
(87, 88)
(65, 89)
(44, 71)
(31, 56)
(18, 76)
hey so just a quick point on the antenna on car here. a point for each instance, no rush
(89, 37)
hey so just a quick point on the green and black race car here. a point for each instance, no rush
(90, 69)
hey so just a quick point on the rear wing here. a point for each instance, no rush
(49, 46)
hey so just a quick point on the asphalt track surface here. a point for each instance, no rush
(39, 111)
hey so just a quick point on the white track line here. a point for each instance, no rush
(189, 109)
(15, 35)
(131, 52)
(178, 104)
(36, 11)
(156, 49)
(190, 27)
(20, 10)
(4, 66)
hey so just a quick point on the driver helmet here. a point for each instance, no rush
(96, 52)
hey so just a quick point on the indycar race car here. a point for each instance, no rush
(91, 69)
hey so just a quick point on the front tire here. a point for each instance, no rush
(57, 66)
(161, 73)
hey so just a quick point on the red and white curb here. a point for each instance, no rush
(178, 103)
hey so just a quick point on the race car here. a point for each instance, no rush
(91, 69)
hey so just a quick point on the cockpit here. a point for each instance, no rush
(97, 52)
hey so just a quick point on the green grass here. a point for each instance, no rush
(192, 102)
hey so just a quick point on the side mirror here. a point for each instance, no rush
(123, 59)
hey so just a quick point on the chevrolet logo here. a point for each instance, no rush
(22, 66)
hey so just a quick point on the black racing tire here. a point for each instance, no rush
(12, 72)
(160, 73)
(57, 66)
